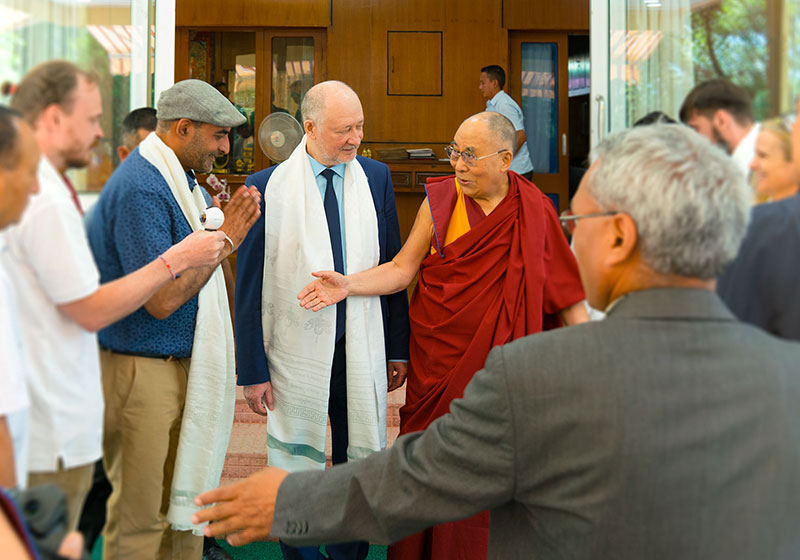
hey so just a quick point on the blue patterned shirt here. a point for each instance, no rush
(136, 219)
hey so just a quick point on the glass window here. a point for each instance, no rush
(651, 67)
(98, 36)
(227, 60)
(659, 49)
(540, 104)
(729, 39)
(292, 73)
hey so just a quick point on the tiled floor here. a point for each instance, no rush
(247, 451)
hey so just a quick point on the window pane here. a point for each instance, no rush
(97, 35)
(540, 104)
(227, 60)
(292, 73)
(660, 49)
(730, 41)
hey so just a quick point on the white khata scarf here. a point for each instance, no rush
(299, 343)
(211, 391)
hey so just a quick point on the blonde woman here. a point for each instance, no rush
(775, 175)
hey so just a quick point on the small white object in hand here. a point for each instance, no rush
(212, 219)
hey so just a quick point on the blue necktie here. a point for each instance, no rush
(335, 231)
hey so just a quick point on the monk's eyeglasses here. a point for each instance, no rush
(470, 159)
(568, 219)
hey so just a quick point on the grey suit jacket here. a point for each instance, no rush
(669, 430)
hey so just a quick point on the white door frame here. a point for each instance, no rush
(599, 65)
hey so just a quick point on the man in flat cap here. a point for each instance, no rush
(168, 369)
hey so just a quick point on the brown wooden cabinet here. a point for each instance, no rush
(409, 178)
(263, 70)
(411, 175)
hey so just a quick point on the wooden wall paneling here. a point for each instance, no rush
(414, 63)
(408, 203)
(472, 37)
(410, 14)
(350, 50)
(257, 13)
(320, 56)
(181, 55)
(263, 89)
(563, 15)
(475, 38)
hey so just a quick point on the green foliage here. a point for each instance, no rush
(730, 41)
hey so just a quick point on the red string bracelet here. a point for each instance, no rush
(172, 272)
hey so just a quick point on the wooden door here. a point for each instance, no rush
(538, 81)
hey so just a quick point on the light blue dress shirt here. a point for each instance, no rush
(338, 189)
(505, 105)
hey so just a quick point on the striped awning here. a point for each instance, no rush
(539, 84)
(116, 40)
(629, 49)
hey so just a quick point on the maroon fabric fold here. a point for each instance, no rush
(487, 288)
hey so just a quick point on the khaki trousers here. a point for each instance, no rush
(144, 405)
(75, 482)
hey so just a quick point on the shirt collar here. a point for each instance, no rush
(493, 101)
(318, 168)
(744, 152)
(190, 176)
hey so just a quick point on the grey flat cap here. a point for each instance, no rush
(198, 101)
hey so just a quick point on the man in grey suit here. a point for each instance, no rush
(668, 430)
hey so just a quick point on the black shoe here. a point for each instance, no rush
(213, 551)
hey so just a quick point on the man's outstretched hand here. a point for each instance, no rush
(329, 288)
(242, 512)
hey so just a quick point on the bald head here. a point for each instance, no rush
(321, 96)
(333, 122)
(499, 130)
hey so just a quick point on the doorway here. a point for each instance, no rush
(539, 79)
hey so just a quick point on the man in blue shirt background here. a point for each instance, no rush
(493, 78)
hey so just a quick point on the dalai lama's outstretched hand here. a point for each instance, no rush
(330, 288)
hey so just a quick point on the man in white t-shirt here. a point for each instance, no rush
(722, 112)
(19, 157)
(56, 283)
(493, 78)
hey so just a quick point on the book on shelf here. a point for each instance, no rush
(421, 153)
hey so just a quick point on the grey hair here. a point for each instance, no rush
(313, 105)
(690, 203)
(502, 129)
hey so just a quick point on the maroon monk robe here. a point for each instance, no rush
(507, 277)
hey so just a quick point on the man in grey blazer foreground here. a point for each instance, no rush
(668, 430)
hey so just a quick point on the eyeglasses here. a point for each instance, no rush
(568, 219)
(470, 159)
